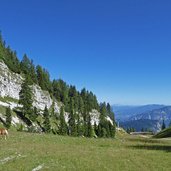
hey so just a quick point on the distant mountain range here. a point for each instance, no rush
(145, 124)
(123, 113)
(146, 117)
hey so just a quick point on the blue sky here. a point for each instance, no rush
(121, 50)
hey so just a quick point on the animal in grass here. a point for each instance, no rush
(4, 133)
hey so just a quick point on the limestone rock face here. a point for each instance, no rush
(10, 83)
(41, 98)
(10, 86)
(94, 117)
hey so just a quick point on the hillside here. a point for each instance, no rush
(164, 133)
(39, 103)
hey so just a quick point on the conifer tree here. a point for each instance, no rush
(71, 122)
(33, 72)
(62, 125)
(96, 128)
(8, 117)
(34, 114)
(26, 98)
(99, 130)
(112, 129)
(128, 130)
(163, 125)
(89, 127)
(43, 78)
(80, 105)
(53, 110)
(105, 128)
(46, 123)
(11, 60)
(79, 130)
(110, 112)
(103, 133)
(25, 64)
(28, 68)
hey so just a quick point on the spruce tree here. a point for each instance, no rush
(96, 128)
(62, 125)
(28, 69)
(79, 130)
(107, 127)
(46, 122)
(43, 78)
(34, 114)
(99, 130)
(53, 110)
(8, 117)
(128, 130)
(103, 133)
(110, 112)
(112, 129)
(89, 127)
(102, 121)
(80, 105)
(26, 98)
(11, 60)
(71, 122)
(163, 125)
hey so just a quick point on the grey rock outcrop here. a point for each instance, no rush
(10, 86)
(10, 83)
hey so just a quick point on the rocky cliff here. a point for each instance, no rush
(10, 83)
(10, 86)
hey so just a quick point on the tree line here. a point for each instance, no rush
(78, 104)
(78, 112)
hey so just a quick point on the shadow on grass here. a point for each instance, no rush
(152, 147)
(146, 140)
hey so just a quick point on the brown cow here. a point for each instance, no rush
(4, 132)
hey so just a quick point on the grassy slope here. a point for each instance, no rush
(164, 133)
(66, 153)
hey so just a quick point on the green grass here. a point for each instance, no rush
(3, 111)
(8, 99)
(164, 133)
(67, 153)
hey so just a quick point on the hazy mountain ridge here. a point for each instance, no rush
(157, 114)
(146, 117)
(124, 113)
(144, 124)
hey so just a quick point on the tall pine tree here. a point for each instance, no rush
(163, 125)
(46, 123)
(62, 125)
(71, 122)
(8, 117)
(26, 98)
(89, 127)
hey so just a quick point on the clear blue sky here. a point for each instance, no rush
(119, 49)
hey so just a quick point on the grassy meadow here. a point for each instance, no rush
(27, 152)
